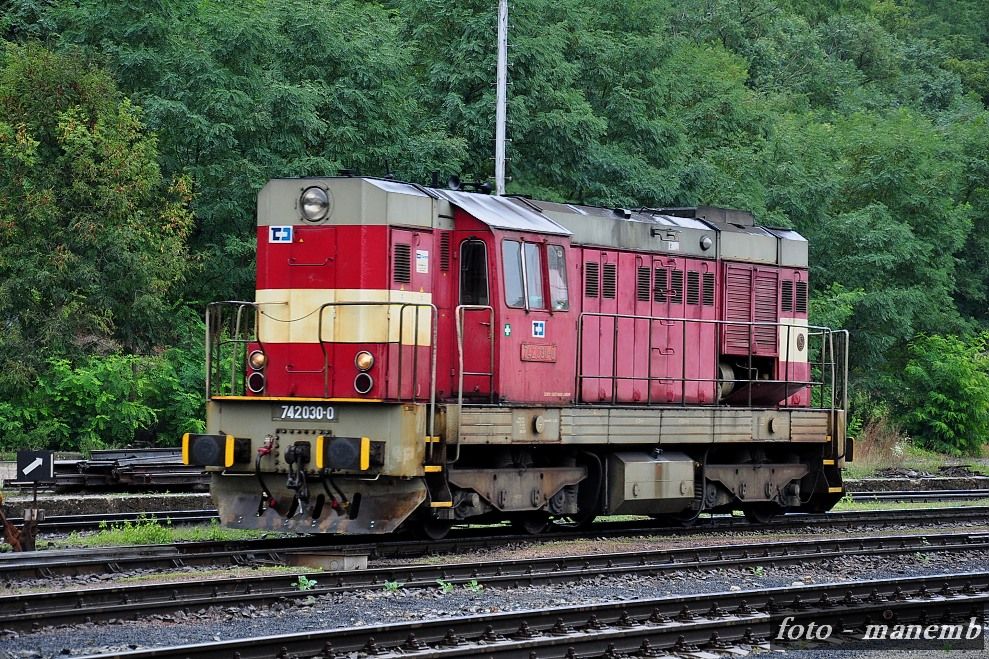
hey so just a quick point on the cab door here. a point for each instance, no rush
(475, 318)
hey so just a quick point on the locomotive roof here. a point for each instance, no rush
(361, 200)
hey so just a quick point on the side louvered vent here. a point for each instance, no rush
(402, 267)
(444, 252)
(642, 285)
(693, 287)
(609, 284)
(766, 290)
(738, 308)
(786, 293)
(660, 284)
(708, 289)
(677, 297)
(592, 277)
(801, 297)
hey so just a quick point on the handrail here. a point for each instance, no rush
(402, 306)
(832, 373)
(460, 314)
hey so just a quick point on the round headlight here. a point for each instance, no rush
(363, 383)
(364, 360)
(255, 382)
(257, 360)
(315, 203)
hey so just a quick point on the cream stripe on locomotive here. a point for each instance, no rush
(293, 316)
(793, 331)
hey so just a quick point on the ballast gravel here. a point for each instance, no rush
(386, 606)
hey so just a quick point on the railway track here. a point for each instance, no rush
(922, 495)
(649, 627)
(27, 611)
(69, 523)
(273, 551)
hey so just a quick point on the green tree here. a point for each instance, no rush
(92, 238)
(944, 394)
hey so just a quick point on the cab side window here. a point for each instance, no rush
(534, 276)
(511, 256)
(558, 297)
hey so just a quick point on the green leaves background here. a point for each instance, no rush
(134, 136)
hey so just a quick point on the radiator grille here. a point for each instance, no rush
(444, 252)
(738, 297)
(402, 267)
(786, 301)
(609, 284)
(660, 284)
(677, 297)
(591, 278)
(642, 285)
(708, 289)
(693, 287)
(765, 311)
(801, 297)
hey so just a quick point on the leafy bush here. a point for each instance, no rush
(944, 400)
(110, 401)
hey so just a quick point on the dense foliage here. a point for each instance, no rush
(862, 123)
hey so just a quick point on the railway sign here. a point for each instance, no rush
(35, 466)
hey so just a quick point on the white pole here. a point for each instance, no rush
(502, 97)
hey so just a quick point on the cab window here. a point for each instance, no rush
(534, 276)
(511, 256)
(558, 297)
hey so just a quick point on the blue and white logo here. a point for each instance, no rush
(539, 329)
(280, 234)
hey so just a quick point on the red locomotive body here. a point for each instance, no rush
(420, 356)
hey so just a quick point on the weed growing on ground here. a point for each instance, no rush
(445, 586)
(392, 586)
(304, 583)
(473, 586)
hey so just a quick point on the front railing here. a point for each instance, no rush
(232, 326)
(826, 353)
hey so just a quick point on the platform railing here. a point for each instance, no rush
(826, 350)
(227, 338)
(232, 326)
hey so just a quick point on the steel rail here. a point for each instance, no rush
(51, 563)
(26, 611)
(673, 623)
(922, 495)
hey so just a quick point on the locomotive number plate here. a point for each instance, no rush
(290, 412)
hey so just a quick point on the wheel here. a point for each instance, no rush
(431, 528)
(761, 513)
(532, 523)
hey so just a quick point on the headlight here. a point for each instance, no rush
(255, 382)
(363, 383)
(364, 360)
(257, 360)
(315, 204)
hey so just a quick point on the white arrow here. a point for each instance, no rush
(34, 465)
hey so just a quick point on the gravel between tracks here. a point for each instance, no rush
(380, 606)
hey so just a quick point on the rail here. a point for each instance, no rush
(826, 349)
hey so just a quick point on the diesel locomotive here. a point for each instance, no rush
(417, 357)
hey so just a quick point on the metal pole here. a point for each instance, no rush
(502, 97)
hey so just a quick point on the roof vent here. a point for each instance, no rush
(623, 212)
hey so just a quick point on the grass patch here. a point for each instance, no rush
(847, 504)
(882, 445)
(151, 531)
